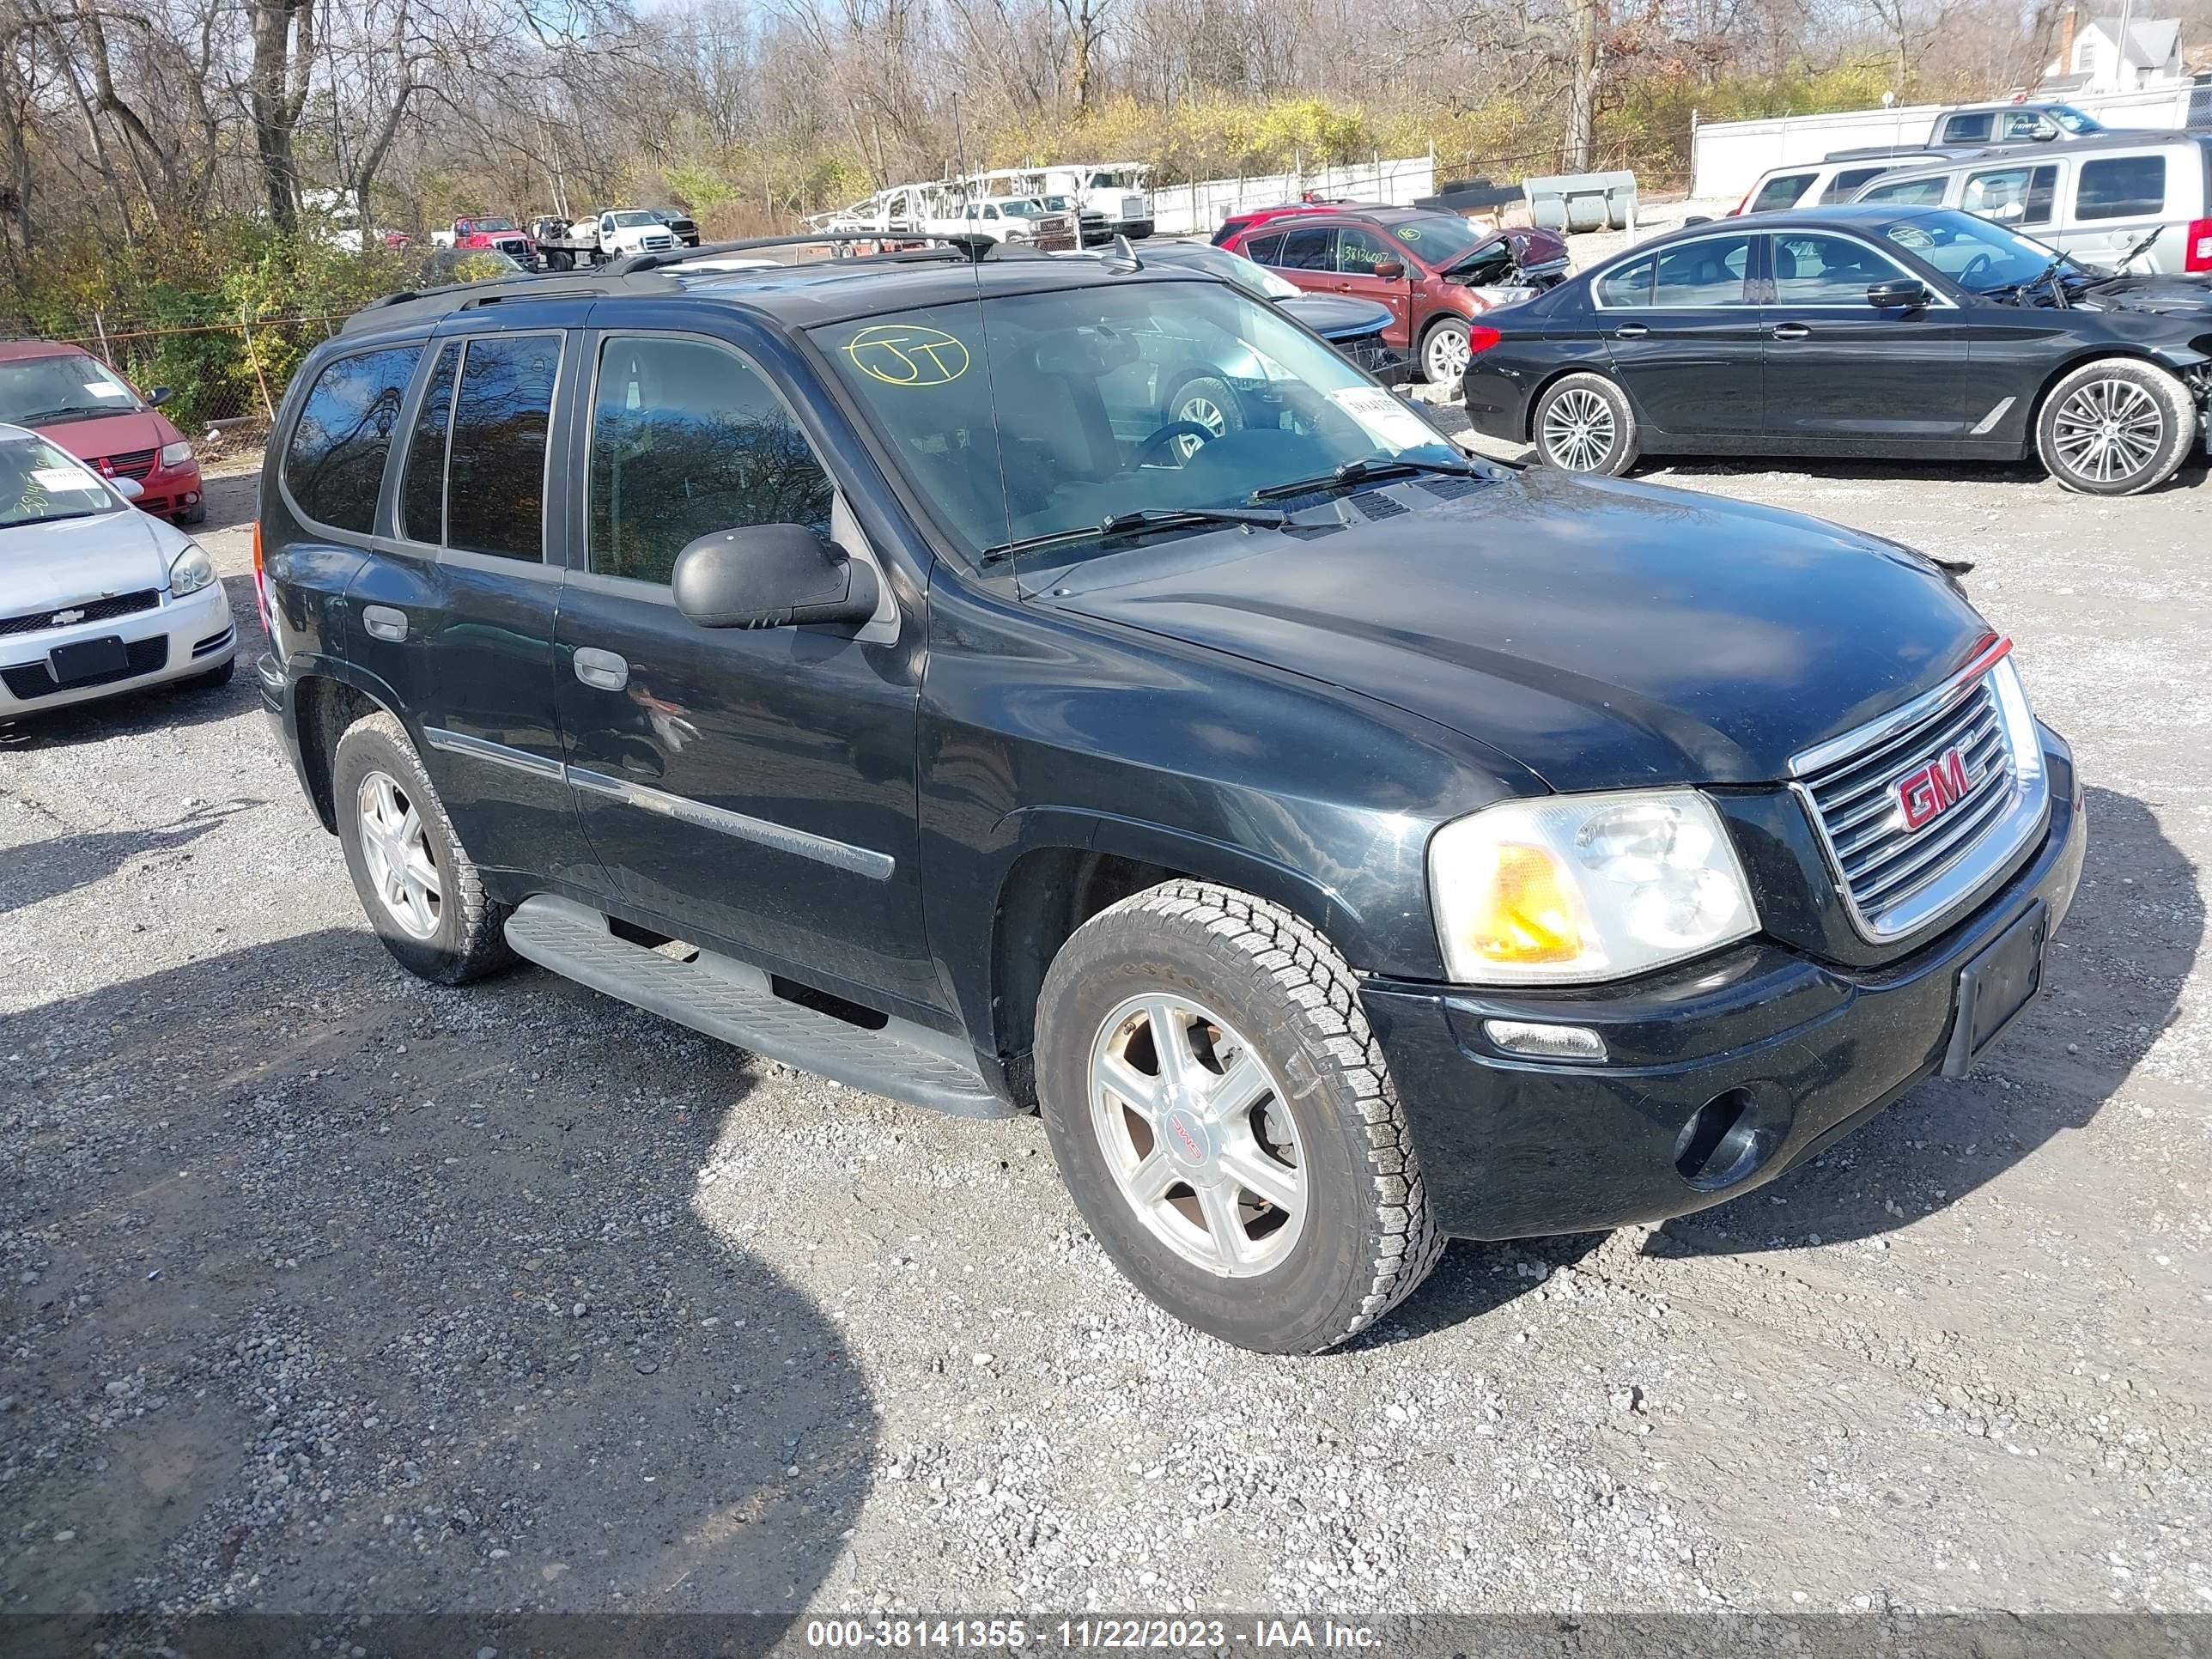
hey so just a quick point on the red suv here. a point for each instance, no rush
(1429, 268)
(71, 398)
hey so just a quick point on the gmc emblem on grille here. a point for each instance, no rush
(1928, 792)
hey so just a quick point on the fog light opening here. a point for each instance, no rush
(1719, 1145)
(1541, 1040)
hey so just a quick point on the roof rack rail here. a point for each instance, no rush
(974, 247)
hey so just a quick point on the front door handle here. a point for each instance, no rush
(603, 671)
(1791, 331)
(1631, 331)
(383, 622)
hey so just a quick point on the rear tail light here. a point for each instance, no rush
(261, 593)
(1479, 338)
(2196, 246)
(1737, 211)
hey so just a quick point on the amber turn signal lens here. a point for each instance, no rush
(1526, 914)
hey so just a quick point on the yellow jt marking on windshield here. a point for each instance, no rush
(905, 354)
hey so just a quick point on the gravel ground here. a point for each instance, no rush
(329, 1290)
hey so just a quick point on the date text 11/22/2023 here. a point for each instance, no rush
(1091, 1632)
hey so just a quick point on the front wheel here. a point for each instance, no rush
(1585, 424)
(1444, 352)
(2117, 426)
(1205, 401)
(1225, 1122)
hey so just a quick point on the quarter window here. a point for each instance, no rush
(1825, 270)
(1702, 273)
(1265, 250)
(495, 474)
(2012, 195)
(1846, 182)
(1629, 285)
(334, 464)
(689, 439)
(2121, 187)
(1780, 192)
(1311, 249)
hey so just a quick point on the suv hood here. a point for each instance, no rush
(71, 560)
(1605, 635)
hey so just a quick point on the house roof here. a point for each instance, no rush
(2151, 40)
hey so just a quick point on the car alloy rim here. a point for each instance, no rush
(1203, 410)
(2109, 430)
(1578, 430)
(1193, 1126)
(402, 867)
(1448, 355)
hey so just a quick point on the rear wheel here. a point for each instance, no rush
(420, 889)
(1585, 424)
(1225, 1122)
(1444, 352)
(2117, 426)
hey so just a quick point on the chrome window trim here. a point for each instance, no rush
(842, 855)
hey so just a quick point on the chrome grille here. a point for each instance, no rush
(1898, 876)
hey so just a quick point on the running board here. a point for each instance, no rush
(732, 1001)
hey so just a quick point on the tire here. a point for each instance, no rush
(1222, 414)
(1258, 996)
(1584, 423)
(2116, 426)
(215, 679)
(194, 514)
(456, 936)
(1443, 354)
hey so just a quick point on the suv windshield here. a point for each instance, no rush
(68, 386)
(1032, 415)
(1980, 257)
(39, 482)
(1437, 239)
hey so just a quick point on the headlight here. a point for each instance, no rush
(191, 571)
(176, 454)
(1567, 889)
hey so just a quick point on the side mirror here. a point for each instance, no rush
(1900, 293)
(2044, 133)
(771, 575)
(130, 488)
(1390, 269)
(158, 396)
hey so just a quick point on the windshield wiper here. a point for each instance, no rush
(77, 413)
(1122, 524)
(48, 518)
(1352, 472)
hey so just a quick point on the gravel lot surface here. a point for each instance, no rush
(327, 1290)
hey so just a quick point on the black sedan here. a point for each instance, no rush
(1854, 331)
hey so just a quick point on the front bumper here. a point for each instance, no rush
(1805, 1050)
(176, 640)
(168, 490)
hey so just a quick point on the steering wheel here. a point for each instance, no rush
(1975, 267)
(1168, 434)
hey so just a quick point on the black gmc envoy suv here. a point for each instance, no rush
(1342, 843)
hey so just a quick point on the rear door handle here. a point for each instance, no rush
(1791, 331)
(603, 671)
(1631, 331)
(383, 622)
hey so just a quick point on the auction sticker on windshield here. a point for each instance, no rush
(61, 477)
(1383, 418)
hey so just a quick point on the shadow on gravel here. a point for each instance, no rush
(327, 1301)
(2028, 474)
(129, 713)
(47, 869)
(2113, 982)
(1475, 1277)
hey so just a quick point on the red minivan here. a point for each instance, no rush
(71, 398)
(1435, 271)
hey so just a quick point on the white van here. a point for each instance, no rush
(2096, 198)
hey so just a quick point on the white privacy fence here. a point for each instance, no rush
(1198, 209)
(1727, 156)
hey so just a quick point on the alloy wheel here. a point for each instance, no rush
(2107, 431)
(1196, 1132)
(1579, 430)
(1204, 412)
(1445, 356)
(403, 868)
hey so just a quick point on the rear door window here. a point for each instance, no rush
(495, 470)
(2120, 187)
(689, 439)
(1312, 248)
(2012, 195)
(334, 462)
(1782, 190)
(1705, 273)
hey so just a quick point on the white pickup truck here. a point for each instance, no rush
(610, 234)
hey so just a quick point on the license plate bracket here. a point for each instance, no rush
(88, 659)
(1994, 987)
